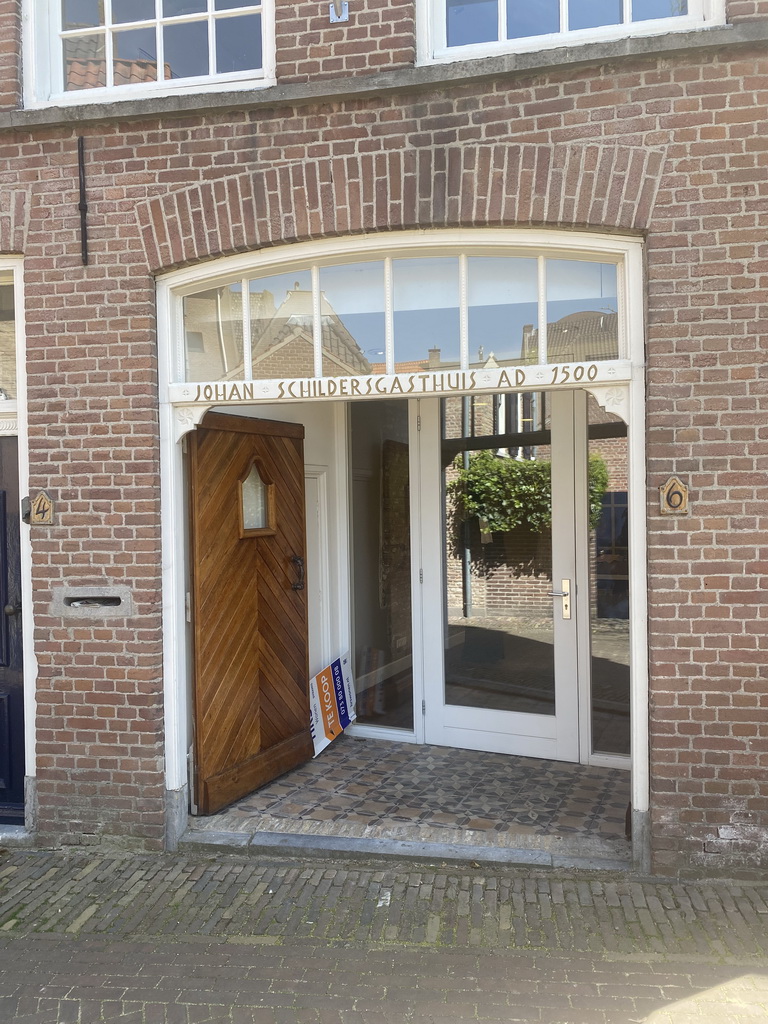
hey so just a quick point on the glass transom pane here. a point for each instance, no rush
(7, 338)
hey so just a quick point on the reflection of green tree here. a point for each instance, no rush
(507, 493)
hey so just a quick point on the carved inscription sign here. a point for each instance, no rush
(412, 384)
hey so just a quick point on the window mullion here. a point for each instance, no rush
(502, 19)
(317, 322)
(247, 355)
(627, 13)
(463, 312)
(542, 283)
(109, 58)
(563, 15)
(212, 67)
(389, 318)
(159, 40)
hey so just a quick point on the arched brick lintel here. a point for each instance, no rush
(13, 221)
(597, 187)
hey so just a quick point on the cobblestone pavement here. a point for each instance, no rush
(190, 939)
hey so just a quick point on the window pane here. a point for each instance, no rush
(124, 11)
(81, 14)
(644, 10)
(186, 50)
(471, 21)
(281, 326)
(381, 562)
(213, 325)
(499, 650)
(135, 56)
(228, 5)
(352, 312)
(173, 8)
(593, 13)
(582, 311)
(609, 589)
(503, 302)
(426, 313)
(7, 339)
(254, 499)
(84, 63)
(532, 19)
(238, 43)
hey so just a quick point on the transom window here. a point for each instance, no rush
(405, 313)
(521, 24)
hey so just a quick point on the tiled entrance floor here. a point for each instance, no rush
(380, 789)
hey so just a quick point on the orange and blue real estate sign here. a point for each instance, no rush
(331, 702)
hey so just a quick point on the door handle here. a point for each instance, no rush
(12, 609)
(565, 594)
(298, 564)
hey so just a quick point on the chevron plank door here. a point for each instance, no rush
(249, 606)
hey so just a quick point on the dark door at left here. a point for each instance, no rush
(11, 689)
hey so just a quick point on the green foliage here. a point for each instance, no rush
(507, 493)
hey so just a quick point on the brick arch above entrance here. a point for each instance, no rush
(586, 186)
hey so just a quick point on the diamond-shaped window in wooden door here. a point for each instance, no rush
(257, 504)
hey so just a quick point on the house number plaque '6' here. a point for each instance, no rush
(673, 497)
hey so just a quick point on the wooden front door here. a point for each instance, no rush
(11, 665)
(249, 606)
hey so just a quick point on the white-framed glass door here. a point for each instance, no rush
(501, 606)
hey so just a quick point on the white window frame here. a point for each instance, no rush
(432, 47)
(43, 62)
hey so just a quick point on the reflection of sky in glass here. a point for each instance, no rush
(81, 14)
(355, 293)
(593, 13)
(644, 10)
(132, 10)
(525, 18)
(503, 298)
(278, 285)
(471, 21)
(575, 286)
(136, 44)
(186, 49)
(426, 308)
(576, 280)
(238, 43)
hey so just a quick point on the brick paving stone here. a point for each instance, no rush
(193, 940)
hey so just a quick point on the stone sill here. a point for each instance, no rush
(427, 77)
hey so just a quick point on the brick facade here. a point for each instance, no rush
(671, 147)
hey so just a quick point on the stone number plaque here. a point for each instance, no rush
(673, 497)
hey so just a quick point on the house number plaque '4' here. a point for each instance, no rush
(673, 497)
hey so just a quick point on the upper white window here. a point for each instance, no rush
(108, 49)
(459, 28)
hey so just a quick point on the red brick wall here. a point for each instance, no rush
(10, 54)
(379, 36)
(675, 149)
(746, 10)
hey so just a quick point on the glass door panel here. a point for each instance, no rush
(609, 583)
(499, 640)
(381, 563)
